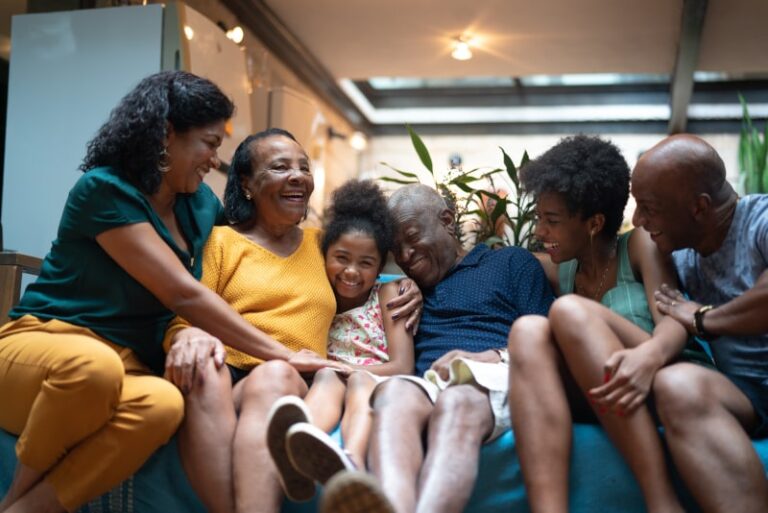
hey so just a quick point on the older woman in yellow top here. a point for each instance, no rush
(273, 273)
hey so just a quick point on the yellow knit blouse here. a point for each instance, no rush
(288, 298)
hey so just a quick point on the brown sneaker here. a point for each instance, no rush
(354, 492)
(286, 412)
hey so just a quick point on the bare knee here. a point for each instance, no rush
(399, 398)
(463, 408)
(681, 396)
(359, 380)
(530, 342)
(326, 377)
(272, 379)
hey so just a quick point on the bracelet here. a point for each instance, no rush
(698, 321)
(503, 356)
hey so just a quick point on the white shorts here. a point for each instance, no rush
(491, 377)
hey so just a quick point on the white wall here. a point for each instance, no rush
(67, 71)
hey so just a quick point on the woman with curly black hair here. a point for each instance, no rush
(271, 270)
(81, 360)
(604, 338)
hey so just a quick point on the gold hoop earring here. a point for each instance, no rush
(162, 163)
(247, 194)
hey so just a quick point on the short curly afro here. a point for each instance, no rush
(359, 206)
(589, 172)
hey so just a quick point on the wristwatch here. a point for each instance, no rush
(698, 321)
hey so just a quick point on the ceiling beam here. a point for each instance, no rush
(262, 21)
(681, 90)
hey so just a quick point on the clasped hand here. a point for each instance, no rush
(189, 355)
(628, 375)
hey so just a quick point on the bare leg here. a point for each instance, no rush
(541, 417)
(704, 416)
(205, 439)
(585, 352)
(357, 419)
(400, 413)
(40, 499)
(24, 478)
(324, 399)
(461, 420)
(257, 488)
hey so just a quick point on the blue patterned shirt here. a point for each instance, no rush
(474, 305)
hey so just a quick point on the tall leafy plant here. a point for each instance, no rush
(482, 215)
(753, 151)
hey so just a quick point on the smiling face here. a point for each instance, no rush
(281, 182)
(352, 264)
(425, 248)
(191, 155)
(565, 236)
(664, 207)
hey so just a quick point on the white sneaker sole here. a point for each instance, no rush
(315, 454)
(286, 412)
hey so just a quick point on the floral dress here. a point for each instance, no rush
(357, 335)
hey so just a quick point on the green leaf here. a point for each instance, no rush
(464, 187)
(400, 171)
(421, 149)
(498, 210)
(511, 169)
(395, 180)
(525, 159)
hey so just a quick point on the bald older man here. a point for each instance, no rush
(719, 244)
(470, 301)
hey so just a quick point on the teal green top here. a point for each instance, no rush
(80, 284)
(627, 298)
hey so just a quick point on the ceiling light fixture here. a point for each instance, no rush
(461, 50)
(236, 34)
(189, 32)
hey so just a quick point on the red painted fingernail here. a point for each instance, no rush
(606, 377)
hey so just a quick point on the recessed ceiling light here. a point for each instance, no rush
(461, 48)
(189, 32)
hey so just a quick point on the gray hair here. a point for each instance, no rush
(419, 197)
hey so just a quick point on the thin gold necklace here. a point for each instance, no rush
(596, 296)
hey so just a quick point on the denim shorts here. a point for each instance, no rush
(756, 390)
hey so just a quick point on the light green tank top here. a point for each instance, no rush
(627, 298)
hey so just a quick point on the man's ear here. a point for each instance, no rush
(448, 220)
(701, 205)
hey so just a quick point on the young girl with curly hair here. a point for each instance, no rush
(358, 236)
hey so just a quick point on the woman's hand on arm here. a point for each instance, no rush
(140, 251)
(407, 303)
(188, 357)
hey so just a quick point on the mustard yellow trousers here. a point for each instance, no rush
(87, 412)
